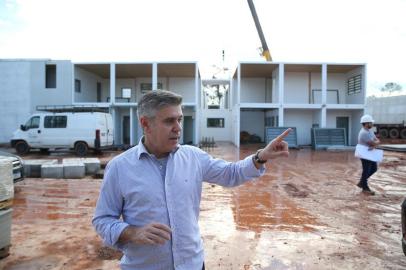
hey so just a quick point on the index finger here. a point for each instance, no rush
(283, 135)
(162, 227)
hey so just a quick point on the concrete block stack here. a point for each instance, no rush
(6, 199)
(70, 168)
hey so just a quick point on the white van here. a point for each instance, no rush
(80, 131)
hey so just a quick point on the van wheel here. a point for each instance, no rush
(22, 148)
(81, 149)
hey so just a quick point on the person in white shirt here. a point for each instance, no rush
(367, 138)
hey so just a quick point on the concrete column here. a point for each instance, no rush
(112, 83)
(132, 138)
(113, 116)
(154, 76)
(237, 107)
(323, 123)
(281, 89)
(281, 113)
(237, 125)
(196, 125)
(73, 83)
(238, 84)
(281, 84)
(324, 84)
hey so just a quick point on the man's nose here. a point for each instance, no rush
(178, 126)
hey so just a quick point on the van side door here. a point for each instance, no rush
(54, 131)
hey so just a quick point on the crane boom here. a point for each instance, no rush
(265, 50)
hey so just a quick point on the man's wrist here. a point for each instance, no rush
(256, 158)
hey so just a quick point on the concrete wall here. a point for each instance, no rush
(61, 95)
(297, 86)
(253, 122)
(303, 121)
(89, 82)
(253, 90)
(219, 134)
(337, 81)
(269, 90)
(15, 104)
(183, 86)
(23, 89)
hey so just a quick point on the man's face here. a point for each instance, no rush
(368, 125)
(164, 130)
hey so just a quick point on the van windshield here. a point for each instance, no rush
(33, 122)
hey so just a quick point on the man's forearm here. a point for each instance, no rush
(374, 143)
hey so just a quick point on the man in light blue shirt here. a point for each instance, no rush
(150, 197)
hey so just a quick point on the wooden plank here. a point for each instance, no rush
(6, 204)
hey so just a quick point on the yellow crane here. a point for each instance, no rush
(265, 50)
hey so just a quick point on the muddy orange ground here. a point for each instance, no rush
(304, 213)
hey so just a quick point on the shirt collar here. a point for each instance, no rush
(143, 151)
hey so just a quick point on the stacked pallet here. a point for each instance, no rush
(6, 201)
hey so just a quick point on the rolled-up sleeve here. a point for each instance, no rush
(226, 173)
(106, 220)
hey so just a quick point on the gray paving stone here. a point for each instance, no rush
(52, 171)
(32, 167)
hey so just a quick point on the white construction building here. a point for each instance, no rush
(259, 96)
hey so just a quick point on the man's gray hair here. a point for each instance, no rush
(153, 101)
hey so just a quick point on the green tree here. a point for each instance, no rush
(391, 87)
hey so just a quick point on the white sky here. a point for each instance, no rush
(345, 31)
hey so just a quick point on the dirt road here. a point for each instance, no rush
(304, 213)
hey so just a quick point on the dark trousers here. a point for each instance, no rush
(368, 168)
(203, 267)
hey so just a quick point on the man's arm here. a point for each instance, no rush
(230, 174)
(374, 142)
(106, 220)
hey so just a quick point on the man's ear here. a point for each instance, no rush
(145, 123)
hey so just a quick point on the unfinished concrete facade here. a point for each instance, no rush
(110, 86)
(259, 95)
(299, 95)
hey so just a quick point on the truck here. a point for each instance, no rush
(79, 131)
(389, 114)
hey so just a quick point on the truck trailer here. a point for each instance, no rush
(389, 114)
